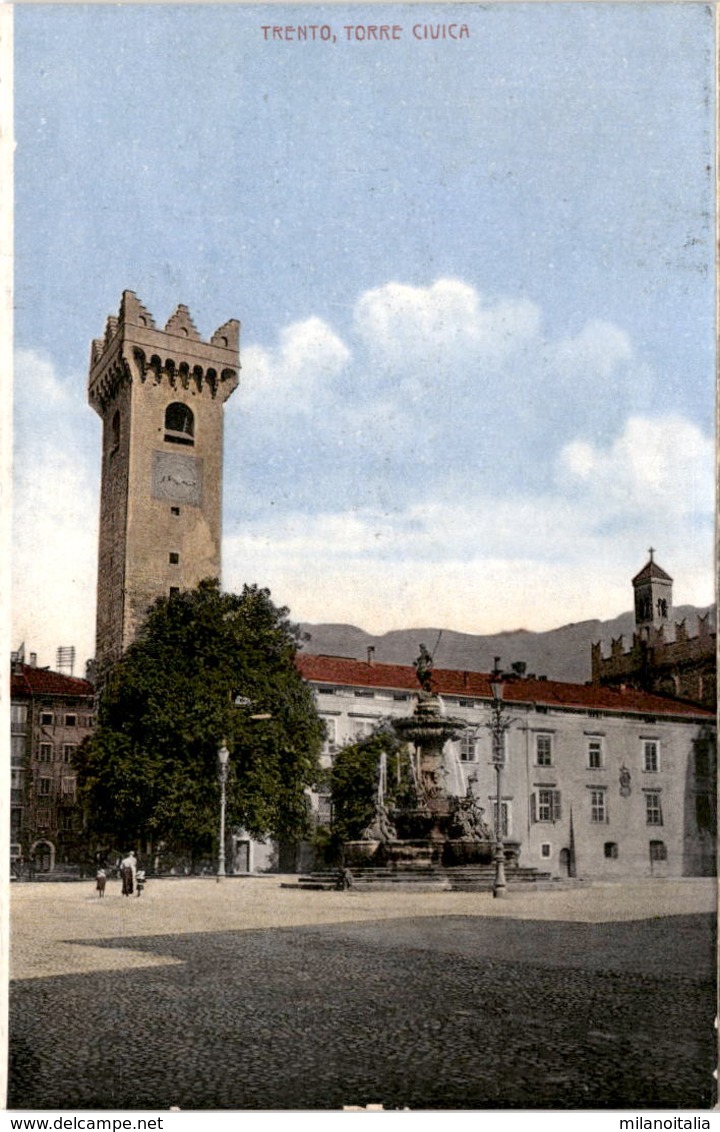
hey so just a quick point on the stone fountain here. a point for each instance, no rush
(436, 828)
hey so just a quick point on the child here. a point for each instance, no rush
(140, 880)
(100, 882)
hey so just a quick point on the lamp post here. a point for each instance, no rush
(223, 758)
(498, 726)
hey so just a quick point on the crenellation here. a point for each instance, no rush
(110, 329)
(657, 637)
(228, 335)
(617, 646)
(180, 323)
(133, 313)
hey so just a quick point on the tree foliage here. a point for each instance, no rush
(150, 771)
(355, 776)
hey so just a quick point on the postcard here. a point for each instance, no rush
(399, 321)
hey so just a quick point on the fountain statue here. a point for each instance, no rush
(433, 827)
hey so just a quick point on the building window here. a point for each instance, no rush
(174, 558)
(179, 424)
(364, 694)
(71, 721)
(68, 787)
(468, 748)
(595, 754)
(611, 850)
(545, 849)
(543, 750)
(401, 696)
(17, 750)
(331, 736)
(658, 851)
(362, 727)
(18, 717)
(598, 809)
(324, 809)
(46, 719)
(653, 807)
(68, 821)
(44, 787)
(45, 753)
(69, 752)
(174, 510)
(651, 755)
(545, 806)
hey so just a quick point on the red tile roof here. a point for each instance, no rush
(25, 680)
(343, 671)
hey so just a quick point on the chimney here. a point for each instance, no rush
(466, 679)
(33, 660)
(371, 654)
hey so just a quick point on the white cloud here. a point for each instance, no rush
(662, 465)
(55, 513)
(309, 354)
(405, 325)
(596, 351)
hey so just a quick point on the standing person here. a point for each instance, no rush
(128, 873)
(100, 879)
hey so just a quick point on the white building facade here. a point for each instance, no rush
(597, 783)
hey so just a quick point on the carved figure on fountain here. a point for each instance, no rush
(381, 827)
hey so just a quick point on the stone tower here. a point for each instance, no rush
(653, 597)
(160, 394)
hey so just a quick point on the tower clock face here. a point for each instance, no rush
(177, 478)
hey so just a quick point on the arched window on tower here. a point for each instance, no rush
(179, 424)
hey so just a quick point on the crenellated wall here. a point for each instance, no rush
(684, 667)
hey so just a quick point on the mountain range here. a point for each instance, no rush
(558, 654)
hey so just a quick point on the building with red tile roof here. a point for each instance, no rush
(600, 782)
(50, 715)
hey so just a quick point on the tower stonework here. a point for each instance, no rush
(160, 394)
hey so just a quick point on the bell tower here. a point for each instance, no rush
(160, 394)
(653, 597)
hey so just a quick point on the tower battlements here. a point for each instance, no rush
(133, 348)
(664, 649)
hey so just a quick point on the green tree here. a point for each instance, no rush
(207, 667)
(355, 776)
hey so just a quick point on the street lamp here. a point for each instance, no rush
(223, 758)
(498, 726)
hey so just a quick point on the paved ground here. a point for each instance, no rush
(248, 996)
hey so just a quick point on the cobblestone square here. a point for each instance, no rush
(248, 996)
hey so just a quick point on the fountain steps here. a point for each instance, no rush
(467, 878)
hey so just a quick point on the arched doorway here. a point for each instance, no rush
(42, 853)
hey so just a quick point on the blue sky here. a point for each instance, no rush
(474, 277)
